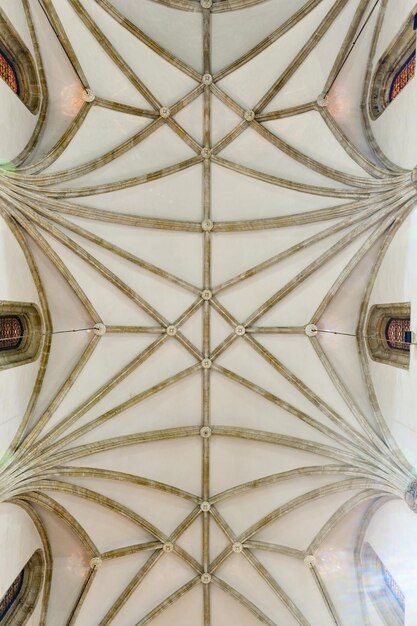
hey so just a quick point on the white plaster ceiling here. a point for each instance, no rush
(109, 206)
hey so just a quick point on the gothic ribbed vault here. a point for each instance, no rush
(190, 199)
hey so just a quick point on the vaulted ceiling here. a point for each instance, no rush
(199, 206)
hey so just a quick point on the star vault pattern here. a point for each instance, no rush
(100, 218)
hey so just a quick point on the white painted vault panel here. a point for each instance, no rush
(189, 208)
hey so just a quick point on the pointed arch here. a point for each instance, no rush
(17, 66)
(395, 69)
(20, 600)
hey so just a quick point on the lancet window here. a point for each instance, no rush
(17, 66)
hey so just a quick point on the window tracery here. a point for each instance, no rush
(396, 332)
(11, 332)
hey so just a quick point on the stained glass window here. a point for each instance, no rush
(385, 592)
(395, 333)
(11, 332)
(11, 595)
(403, 76)
(393, 587)
(8, 74)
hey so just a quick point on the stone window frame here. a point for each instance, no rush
(28, 596)
(23, 64)
(28, 349)
(376, 339)
(388, 66)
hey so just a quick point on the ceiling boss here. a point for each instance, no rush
(207, 331)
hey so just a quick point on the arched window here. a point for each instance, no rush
(11, 332)
(17, 67)
(382, 588)
(403, 76)
(8, 74)
(11, 596)
(395, 70)
(397, 333)
(20, 333)
(388, 334)
(20, 600)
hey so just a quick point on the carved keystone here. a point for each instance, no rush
(164, 112)
(310, 561)
(322, 100)
(207, 79)
(249, 116)
(88, 96)
(206, 578)
(205, 432)
(311, 330)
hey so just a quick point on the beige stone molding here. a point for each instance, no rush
(44, 209)
(376, 340)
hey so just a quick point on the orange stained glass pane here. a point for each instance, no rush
(8, 74)
(403, 76)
